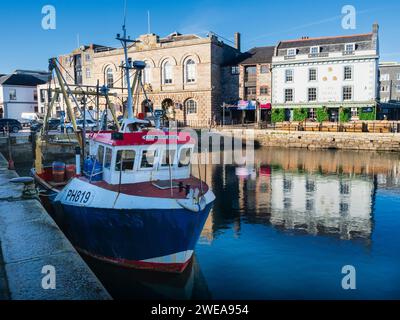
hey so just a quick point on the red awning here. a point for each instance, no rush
(266, 106)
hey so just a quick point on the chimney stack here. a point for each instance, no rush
(375, 37)
(375, 28)
(237, 40)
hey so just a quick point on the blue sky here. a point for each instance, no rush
(25, 45)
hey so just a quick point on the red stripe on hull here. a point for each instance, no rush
(141, 265)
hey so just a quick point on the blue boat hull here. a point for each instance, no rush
(162, 240)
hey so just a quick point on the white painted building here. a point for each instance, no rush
(18, 94)
(332, 73)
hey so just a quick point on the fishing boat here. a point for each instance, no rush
(135, 203)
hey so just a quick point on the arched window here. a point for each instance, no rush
(147, 74)
(110, 78)
(167, 73)
(191, 106)
(190, 71)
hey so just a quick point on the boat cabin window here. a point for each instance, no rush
(148, 158)
(184, 157)
(100, 154)
(133, 127)
(108, 158)
(126, 160)
(168, 158)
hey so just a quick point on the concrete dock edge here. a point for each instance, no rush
(31, 240)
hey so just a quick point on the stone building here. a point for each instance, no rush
(246, 88)
(182, 73)
(389, 81)
(327, 78)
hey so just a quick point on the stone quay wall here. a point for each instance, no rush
(326, 140)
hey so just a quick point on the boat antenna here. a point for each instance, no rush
(125, 40)
(148, 22)
(124, 13)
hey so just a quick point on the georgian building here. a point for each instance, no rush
(182, 74)
(325, 76)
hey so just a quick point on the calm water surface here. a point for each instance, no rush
(285, 229)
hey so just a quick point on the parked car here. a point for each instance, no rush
(90, 125)
(29, 116)
(12, 124)
(53, 125)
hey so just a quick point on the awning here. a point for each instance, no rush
(230, 106)
(266, 106)
(247, 105)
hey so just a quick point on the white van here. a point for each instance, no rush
(29, 117)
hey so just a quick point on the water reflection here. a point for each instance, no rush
(313, 192)
(124, 283)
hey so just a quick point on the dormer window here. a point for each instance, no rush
(314, 50)
(349, 48)
(291, 52)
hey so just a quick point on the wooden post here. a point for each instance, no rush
(114, 115)
(39, 140)
(70, 112)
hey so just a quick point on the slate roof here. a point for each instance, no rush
(325, 41)
(254, 56)
(21, 80)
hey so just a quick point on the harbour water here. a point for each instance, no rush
(285, 229)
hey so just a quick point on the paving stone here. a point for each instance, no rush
(73, 282)
(30, 240)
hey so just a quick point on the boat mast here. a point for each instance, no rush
(125, 40)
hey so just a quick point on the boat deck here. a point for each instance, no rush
(152, 189)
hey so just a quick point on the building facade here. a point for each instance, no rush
(18, 93)
(182, 74)
(329, 78)
(389, 82)
(246, 87)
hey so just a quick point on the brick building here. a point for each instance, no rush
(183, 73)
(247, 83)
